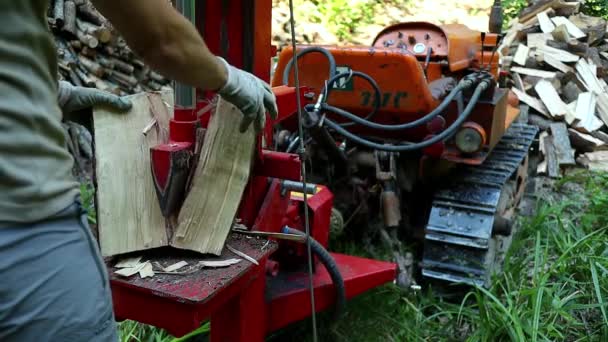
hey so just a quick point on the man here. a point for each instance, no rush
(53, 283)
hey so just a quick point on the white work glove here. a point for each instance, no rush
(251, 95)
(72, 98)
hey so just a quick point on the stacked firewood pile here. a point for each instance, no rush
(557, 59)
(92, 54)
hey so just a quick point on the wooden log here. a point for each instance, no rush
(553, 62)
(210, 207)
(574, 31)
(585, 113)
(521, 55)
(88, 52)
(577, 47)
(535, 40)
(546, 25)
(551, 157)
(585, 142)
(540, 6)
(123, 66)
(93, 67)
(603, 136)
(594, 161)
(560, 55)
(105, 62)
(539, 121)
(102, 34)
(127, 79)
(129, 216)
(69, 11)
(593, 27)
(557, 45)
(571, 91)
(89, 13)
(531, 101)
(87, 39)
(560, 34)
(58, 13)
(561, 141)
(157, 77)
(534, 72)
(549, 96)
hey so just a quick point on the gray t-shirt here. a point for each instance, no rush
(35, 166)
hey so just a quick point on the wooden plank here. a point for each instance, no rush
(220, 178)
(561, 141)
(129, 216)
(560, 55)
(549, 96)
(572, 29)
(521, 55)
(531, 101)
(546, 25)
(534, 72)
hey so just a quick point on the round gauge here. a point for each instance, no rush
(419, 48)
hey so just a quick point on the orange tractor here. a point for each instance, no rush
(418, 142)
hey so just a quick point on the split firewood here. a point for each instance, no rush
(546, 25)
(69, 12)
(534, 72)
(561, 142)
(585, 142)
(521, 55)
(560, 33)
(549, 96)
(594, 161)
(593, 27)
(573, 30)
(531, 101)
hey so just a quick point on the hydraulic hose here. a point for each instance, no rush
(378, 94)
(430, 116)
(330, 58)
(332, 268)
(446, 134)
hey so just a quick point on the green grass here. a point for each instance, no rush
(554, 287)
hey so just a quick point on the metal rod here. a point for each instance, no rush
(185, 96)
(303, 171)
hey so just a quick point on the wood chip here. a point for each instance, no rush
(534, 72)
(242, 255)
(572, 29)
(146, 271)
(220, 263)
(521, 55)
(175, 267)
(129, 262)
(130, 271)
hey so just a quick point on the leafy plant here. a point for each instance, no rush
(596, 8)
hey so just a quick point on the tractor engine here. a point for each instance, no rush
(387, 124)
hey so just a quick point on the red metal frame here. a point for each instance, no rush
(244, 302)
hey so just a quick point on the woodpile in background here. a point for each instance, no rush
(92, 54)
(557, 59)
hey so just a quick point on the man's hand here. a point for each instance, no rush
(251, 95)
(72, 99)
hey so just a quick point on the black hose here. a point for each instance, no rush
(332, 268)
(330, 58)
(446, 134)
(430, 116)
(378, 94)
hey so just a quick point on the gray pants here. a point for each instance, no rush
(53, 282)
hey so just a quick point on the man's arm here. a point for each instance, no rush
(166, 41)
(171, 44)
